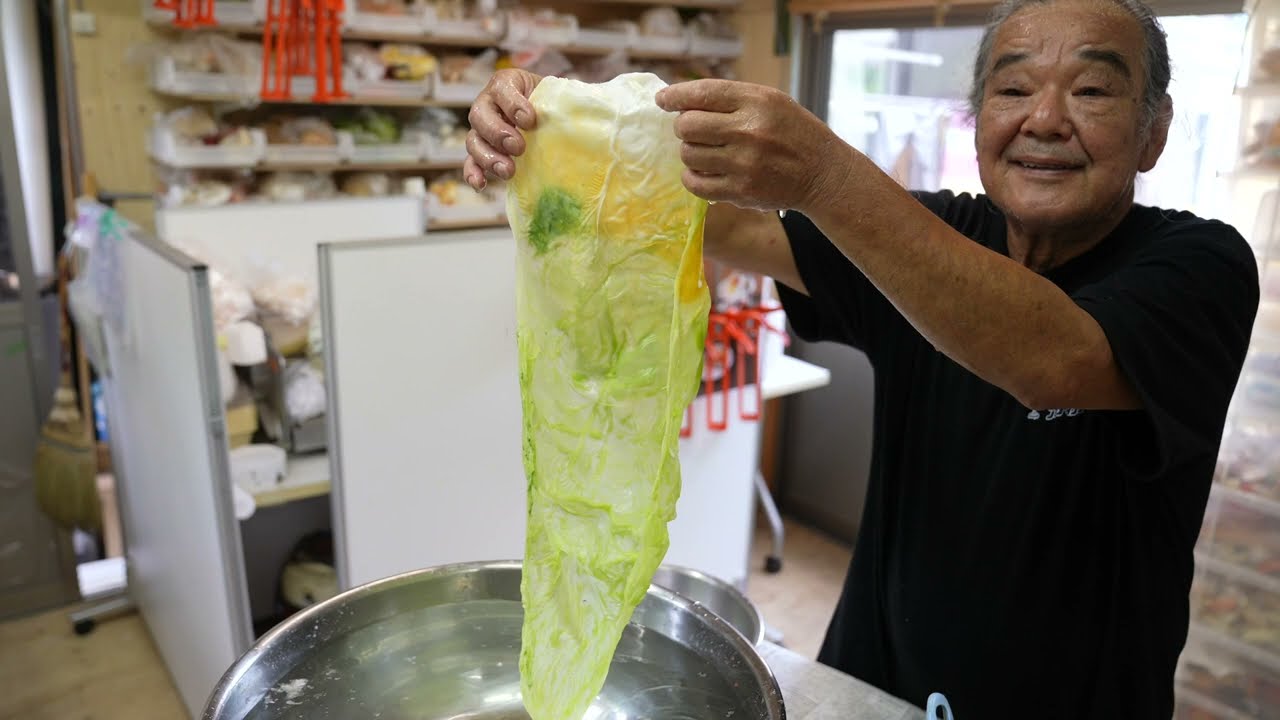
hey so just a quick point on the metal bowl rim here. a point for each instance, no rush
(728, 589)
(748, 651)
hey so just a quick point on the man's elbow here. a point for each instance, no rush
(1086, 380)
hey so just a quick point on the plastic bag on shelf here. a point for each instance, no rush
(661, 22)
(214, 53)
(203, 188)
(304, 130)
(231, 299)
(367, 184)
(304, 393)
(713, 25)
(451, 190)
(280, 293)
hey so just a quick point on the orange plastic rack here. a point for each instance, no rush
(302, 37)
(189, 13)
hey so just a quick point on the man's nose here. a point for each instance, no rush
(1048, 117)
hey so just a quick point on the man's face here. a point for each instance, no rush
(1058, 134)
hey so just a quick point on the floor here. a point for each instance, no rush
(48, 673)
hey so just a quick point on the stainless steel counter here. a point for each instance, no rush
(813, 691)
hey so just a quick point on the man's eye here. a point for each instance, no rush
(1011, 92)
(1091, 92)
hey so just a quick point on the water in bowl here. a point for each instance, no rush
(461, 662)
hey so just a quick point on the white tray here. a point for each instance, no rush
(166, 78)
(165, 149)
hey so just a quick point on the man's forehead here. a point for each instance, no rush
(1086, 30)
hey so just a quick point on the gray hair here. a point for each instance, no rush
(1155, 63)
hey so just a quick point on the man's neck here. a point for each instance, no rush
(1044, 250)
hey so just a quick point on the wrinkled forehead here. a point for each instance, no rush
(1061, 31)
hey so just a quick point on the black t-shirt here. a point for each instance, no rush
(1036, 563)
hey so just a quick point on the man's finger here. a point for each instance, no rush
(707, 187)
(489, 159)
(515, 105)
(706, 159)
(487, 119)
(712, 95)
(704, 128)
(473, 173)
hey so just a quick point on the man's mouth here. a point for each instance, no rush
(1046, 164)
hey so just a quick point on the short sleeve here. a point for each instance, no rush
(841, 304)
(1178, 319)
(834, 305)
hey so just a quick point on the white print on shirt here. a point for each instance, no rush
(1053, 414)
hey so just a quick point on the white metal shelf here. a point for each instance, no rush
(1213, 636)
(1239, 574)
(1253, 501)
(328, 167)
(1220, 710)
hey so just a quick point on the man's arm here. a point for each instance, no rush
(1002, 321)
(755, 147)
(753, 241)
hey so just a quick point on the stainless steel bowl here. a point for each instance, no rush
(717, 596)
(444, 643)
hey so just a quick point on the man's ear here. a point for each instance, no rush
(1157, 136)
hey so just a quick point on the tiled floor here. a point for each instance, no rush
(48, 673)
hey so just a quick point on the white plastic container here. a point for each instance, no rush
(165, 148)
(167, 79)
(302, 154)
(258, 468)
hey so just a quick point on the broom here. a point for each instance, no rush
(66, 462)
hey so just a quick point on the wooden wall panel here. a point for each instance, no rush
(115, 104)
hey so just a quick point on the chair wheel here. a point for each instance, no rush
(84, 627)
(772, 564)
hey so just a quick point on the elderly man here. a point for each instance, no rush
(1053, 363)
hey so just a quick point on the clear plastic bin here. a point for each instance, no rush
(455, 92)
(607, 40)
(303, 154)
(167, 79)
(393, 89)
(410, 149)
(165, 148)
(438, 152)
(411, 25)
(662, 45)
(523, 32)
(702, 46)
(480, 30)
